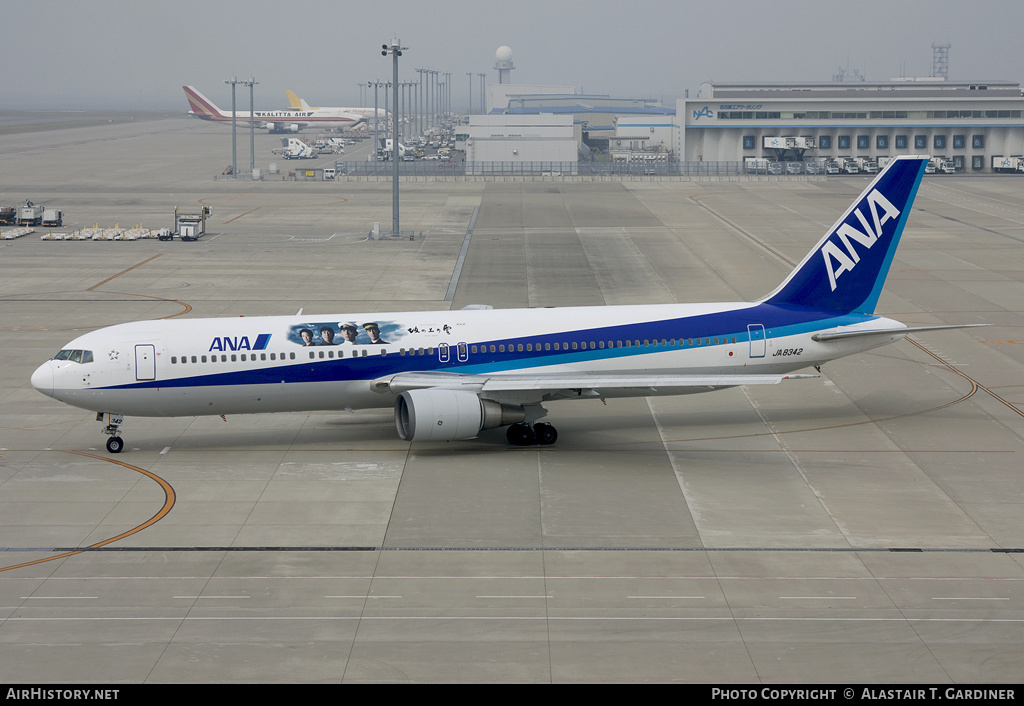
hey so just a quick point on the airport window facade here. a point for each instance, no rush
(867, 115)
(869, 120)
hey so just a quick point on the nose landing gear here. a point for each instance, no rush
(114, 421)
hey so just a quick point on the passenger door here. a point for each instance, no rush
(758, 344)
(145, 361)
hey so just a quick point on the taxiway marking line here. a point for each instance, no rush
(230, 220)
(169, 498)
(123, 271)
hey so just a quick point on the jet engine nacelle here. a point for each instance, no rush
(282, 127)
(447, 415)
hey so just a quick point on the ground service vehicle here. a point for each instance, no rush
(30, 214)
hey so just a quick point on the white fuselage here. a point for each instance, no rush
(290, 363)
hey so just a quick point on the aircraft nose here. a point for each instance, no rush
(42, 379)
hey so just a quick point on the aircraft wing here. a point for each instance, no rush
(555, 385)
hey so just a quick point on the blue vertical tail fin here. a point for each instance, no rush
(845, 271)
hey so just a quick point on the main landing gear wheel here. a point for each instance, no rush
(521, 435)
(524, 435)
(115, 444)
(546, 434)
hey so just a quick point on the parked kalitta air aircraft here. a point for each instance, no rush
(286, 120)
(450, 374)
(296, 103)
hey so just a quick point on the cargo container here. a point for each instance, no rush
(1014, 163)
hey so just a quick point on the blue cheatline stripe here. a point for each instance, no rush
(779, 321)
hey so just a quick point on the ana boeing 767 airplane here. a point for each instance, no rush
(451, 374)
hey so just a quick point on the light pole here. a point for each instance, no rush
(433, 97)
(234, 127)
(410, 108)
(440, 97)
(426, 100)
(448, 93)
(483, 104)
(414, 88)
(252, 126)
(395, 50)
(420, 72)
(376, 122)
(470, 110)
(406, 108)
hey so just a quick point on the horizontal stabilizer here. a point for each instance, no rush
(839, 335)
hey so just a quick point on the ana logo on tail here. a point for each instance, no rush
(863, 242)
(836, 260)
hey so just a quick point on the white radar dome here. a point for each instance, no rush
(503, 54)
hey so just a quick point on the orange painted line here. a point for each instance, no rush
(122, 272)
(169, 498)
(241, 214)
(967, 377)
(186, 307)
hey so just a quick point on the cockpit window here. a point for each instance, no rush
(74, 355)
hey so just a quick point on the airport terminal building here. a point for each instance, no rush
(968, 123)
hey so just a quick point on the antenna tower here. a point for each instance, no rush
(940, 61)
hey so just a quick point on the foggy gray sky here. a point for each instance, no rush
(136, 55)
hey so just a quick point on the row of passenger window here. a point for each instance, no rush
(224, 358)
(558, 346)
(492, 348)
(356, 353)
(597, 345)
